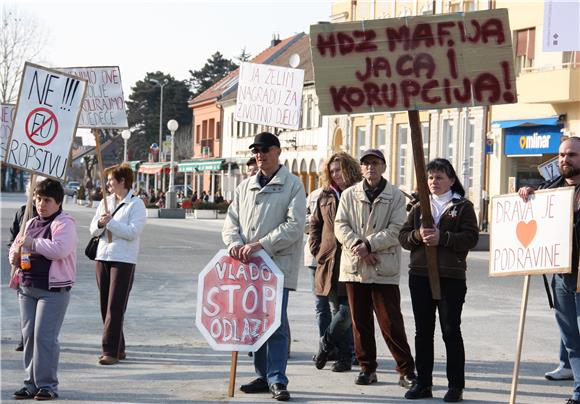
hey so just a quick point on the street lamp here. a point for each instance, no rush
(161, 85)
(172, 125)
(126, 135)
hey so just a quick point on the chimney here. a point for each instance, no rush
(275, 40)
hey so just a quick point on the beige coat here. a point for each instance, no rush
(274, 216)
(380, 227)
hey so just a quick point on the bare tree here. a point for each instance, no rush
(183, 143)
(22, 39)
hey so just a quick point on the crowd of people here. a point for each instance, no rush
(356, 224)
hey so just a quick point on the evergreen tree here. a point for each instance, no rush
(216, 68)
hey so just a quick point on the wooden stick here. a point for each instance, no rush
(102, 175)
(425, 202)
(233, 369)
(523, 309)
(25, 218)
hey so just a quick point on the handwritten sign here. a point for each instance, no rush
(412, 63)
(47, 113)
(104, 104)
(549, 169)
(270, 95)
(239, 305)
(6, 119)
(533, 237)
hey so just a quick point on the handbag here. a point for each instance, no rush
(93, 244)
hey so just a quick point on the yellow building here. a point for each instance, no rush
(548, 87)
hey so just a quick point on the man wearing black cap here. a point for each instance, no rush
(367, 224)
(268, 212)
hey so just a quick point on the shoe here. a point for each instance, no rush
(22, 394)
(408, 381)
(366, 378)
(108, 360)
(560, 374)
(418, 391)
(321, 358)
(572, 401)
(20, 347)
(341, 366)
(121, 356)
(45, 394)
(354, 361)
(255, 386)
(453, 395)
(279, 392)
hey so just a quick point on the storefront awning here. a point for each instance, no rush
(553, 121)
(154, 168)
(134, 164)
(200, 165)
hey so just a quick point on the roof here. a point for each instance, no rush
(229, 82)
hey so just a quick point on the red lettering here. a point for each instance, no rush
(400, 35)
(428, 86)
(452, 59)
(477, 34)
(366, 45)
(372, 93)
(404, 71)
(442, 32)
(409, 88)
(422, 34)
(447, 91)
(338, 99)
(391, 102)
(373, 67)
(345, 43)
(487, 83)
(326, 43)
(466, 96)
(424, 61)
(493, 28)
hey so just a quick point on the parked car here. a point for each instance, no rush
(71, 188)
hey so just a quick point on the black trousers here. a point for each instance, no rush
(450, 306)
(114, 280)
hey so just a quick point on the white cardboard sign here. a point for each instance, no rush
(6, 120)
(533, 237)
(104, 104)
(549, 169)
(45, 121)
(270, 95)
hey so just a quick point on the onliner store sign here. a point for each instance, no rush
(239, 305)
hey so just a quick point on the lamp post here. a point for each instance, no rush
(172, 125)
(161, 85)
(126, 135)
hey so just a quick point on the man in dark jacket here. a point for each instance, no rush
(565, 286)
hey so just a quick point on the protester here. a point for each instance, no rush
(564, 370)
(367, 224)
(251, 166)
(566, 297)
(14, 230)
(48, 249)
(455, 232)
(268, 212)
(340, 172)
(116, 257)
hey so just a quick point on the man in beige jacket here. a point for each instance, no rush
(268, 212)
(367, 224)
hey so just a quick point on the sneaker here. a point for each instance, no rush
(45, 394)
(560, 374)
(22, 394)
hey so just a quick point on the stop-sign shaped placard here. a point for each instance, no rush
(239, 305)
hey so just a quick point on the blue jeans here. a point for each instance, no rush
(564, 361)
(339, 331)
(271, 359)
(322, 308)
(567, 310)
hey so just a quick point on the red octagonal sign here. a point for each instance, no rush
(239, 305)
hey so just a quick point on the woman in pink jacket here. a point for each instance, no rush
(46, 257)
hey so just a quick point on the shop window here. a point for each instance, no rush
(525, 41)
(402, 146)
(447, 143)
(360, 140)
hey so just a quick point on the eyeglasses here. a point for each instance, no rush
(263, 150)
(369, 163)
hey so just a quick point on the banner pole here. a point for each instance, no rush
(522, 323)
(233, 369)
(26, 217)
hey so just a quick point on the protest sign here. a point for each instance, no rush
(413, 63)
(104, 104)
(46, 118)
(239, 305)
(270, 95)
(549, 169)
(533, 237)
(6, 119)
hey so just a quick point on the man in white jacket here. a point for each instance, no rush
(268, 212)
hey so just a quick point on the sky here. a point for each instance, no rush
(171, 36)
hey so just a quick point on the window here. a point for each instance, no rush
(239, 130)
(198, 133)
(204, 129)
(309, 112)
(402, 145)
(425, 136)
(360, 141)
(448, 148)
(211, 133)
(232, 124)
(525, 41)
(380, 137)
(470, 139)
(570, 58)
(319, 116)
(218, 130)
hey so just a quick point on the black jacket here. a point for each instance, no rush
(458, 234)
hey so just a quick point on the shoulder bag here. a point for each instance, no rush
(93, 244)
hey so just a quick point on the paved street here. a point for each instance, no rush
(169, 362)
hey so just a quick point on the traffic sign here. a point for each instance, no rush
(239, 305)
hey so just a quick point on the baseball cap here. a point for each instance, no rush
(265, 139)
(373, 152)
